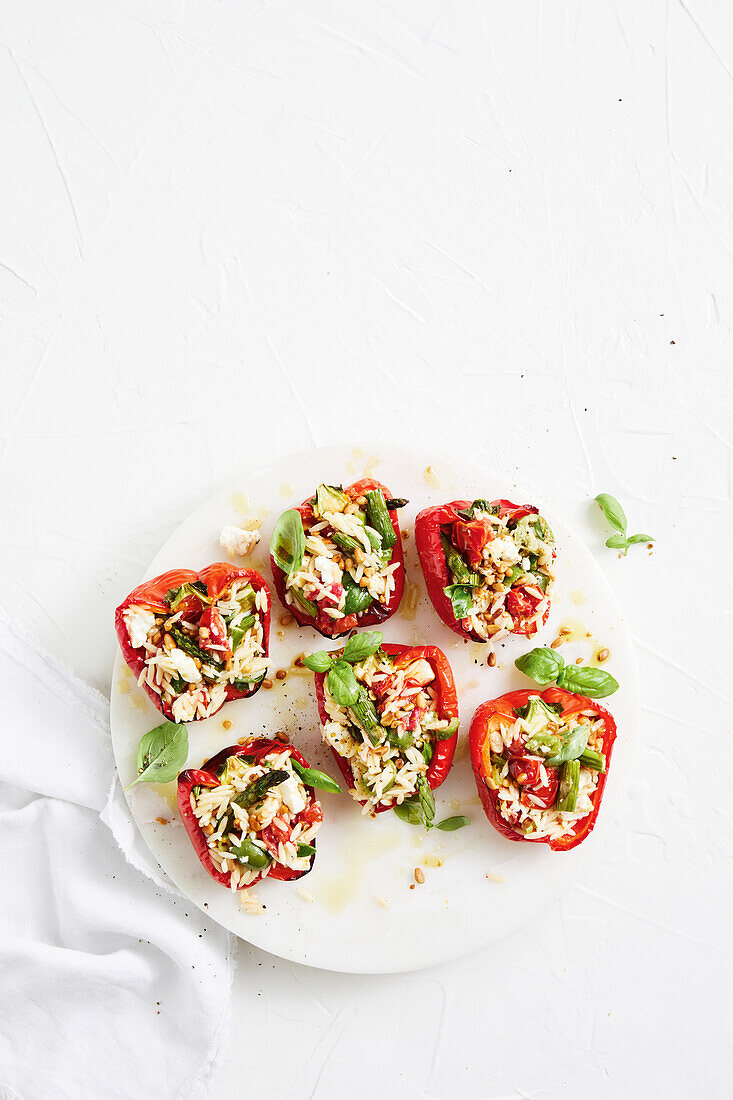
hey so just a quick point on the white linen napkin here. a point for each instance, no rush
(111, 984)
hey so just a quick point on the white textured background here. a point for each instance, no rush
(236, 229)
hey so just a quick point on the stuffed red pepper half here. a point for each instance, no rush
(390, 716)
(250, 813)
(337, 559)
(195, 640)
(540, 763)
(488, 566)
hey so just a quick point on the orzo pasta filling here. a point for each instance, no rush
(200, 648)
(389, 736)
(501, 565)
(339, 559)
(258, 817)
(544, 767)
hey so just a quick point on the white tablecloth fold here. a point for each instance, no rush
(111, 984)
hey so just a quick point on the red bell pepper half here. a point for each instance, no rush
(512, 766)
(180, 623)
(505, 582)
(446, 708)
(338, 600)
(242, 855)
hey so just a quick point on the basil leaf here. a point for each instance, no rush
(427, 752)
(259, 788)
(450, 824)
(357, 599)
(573, 744)
(617, 542)
(410, 811)
(484, 506)
(613, 511)
(318, 662)
(593, 682)
(393, 503)
(313, 778)
(641, 538)
(447, 731)
(178, 685)
(543, 665)
(361, 646)
(287, 544)
(400, 740)
(427, 801)
(461, 598)
(250, 853)
(161, 754)
(342, 684)
(305, 850)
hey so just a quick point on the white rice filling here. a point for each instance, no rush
(489, 617)
(533, 822)
(205, 690)
(385, 775)
(322, 565)
(226, 823)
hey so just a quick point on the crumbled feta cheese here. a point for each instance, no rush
(185, 666)
(139, 622)
(327, 569)
(503, 549)
(292, 794)
(184, 707)
(235, 540)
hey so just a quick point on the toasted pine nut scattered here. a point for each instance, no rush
(267, 683)
(419, 875)
(565, 630)
(227, 724)
(280, 674)
(405, 535)
(603, 655)
(557, 642)
(492, 660)
(286, 619)
(578, 660)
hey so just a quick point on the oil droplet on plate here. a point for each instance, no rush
(358, 452)
(240, 503)
(123, 687)
(350, 468)
(431, 477)
(578, 598)
(287, 489)
(369, 467)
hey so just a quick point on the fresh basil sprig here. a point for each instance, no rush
(545, 666)
(287, 544)
(313, 778)
(419, 809)
(161, 754)
(616, 517)
(305, 850)
(342, 682)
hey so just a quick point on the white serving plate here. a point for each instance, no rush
(355, 912)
